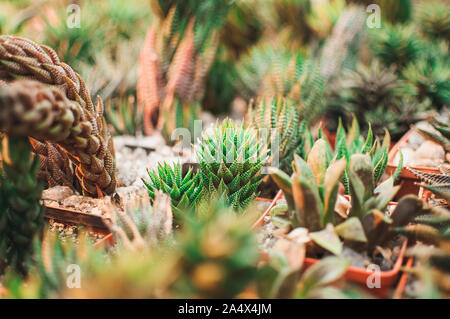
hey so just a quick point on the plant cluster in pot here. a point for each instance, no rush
(359, 227)
(424, 148)
(429, 276)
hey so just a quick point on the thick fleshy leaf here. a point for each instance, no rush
(317, 160)
(328, 239)
(323, 273)
(281, 179)
(307, 203)
(302, 169)
(375, 225)
(361, 165)
(351, 229)
(331, 183)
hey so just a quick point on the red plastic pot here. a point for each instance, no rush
(407, 179)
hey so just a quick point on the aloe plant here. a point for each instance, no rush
(312, 192)
(395, 45)
(177, 54)
(183, 189)
(230, 159)
(281, 124)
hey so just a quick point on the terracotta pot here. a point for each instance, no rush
(407, 179)
(360, 275)
(398, 294)
(354, 274)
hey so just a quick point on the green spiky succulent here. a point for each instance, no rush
(312, 193)
(267, 72)
(21, 215)
(395, 46)
(281, 124)
(183, 189)
(377, 96)
(429, 75)
(351, 142)
(396, 11)
(230, 159)
(434, 20)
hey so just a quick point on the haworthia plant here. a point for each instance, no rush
(283, 130)
(183, 189)
(312, 193)
(230, 159)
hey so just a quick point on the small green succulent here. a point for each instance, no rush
(312, 193)
(183, 189)
(351, 142)
(268, 72)
(230, 159)
(395, 45)
(281, 124)
(434, 19)
(429, 75)
(376, 95)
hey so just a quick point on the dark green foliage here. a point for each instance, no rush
(399, 11)
(351, 142)
(377, 96)
(434, 19)
(395, 45)
(123, 115)
(268, 72)
(184, 190)
(21, 215)
(230, 159)
(430, 75)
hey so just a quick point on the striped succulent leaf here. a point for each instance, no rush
(184, 190)
(280, 123)
(230, 159)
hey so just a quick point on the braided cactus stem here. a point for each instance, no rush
(56, 108)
